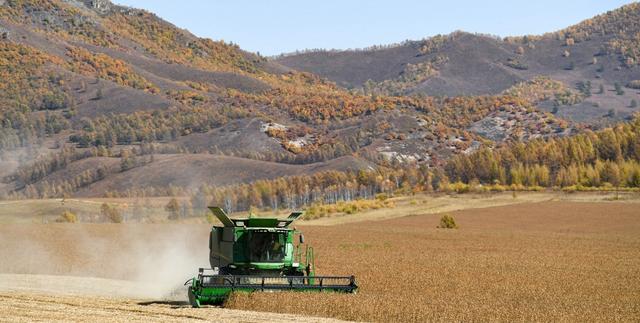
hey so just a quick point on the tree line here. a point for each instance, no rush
(603, 159)
(593, 159)
(293, 192)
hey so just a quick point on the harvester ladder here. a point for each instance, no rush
(310, 263)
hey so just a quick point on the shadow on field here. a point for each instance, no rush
(173, 304)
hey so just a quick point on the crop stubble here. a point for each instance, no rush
(532, 262)
(560, 261)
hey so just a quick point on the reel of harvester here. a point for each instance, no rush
(258, 254)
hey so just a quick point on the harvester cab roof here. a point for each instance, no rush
(254, 222)
(259, 253)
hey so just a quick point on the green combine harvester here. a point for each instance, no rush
(258, 254)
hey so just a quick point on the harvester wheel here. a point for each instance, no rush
(192, 299)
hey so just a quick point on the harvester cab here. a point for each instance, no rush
(259, 254)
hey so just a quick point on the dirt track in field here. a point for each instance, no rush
(551, 261)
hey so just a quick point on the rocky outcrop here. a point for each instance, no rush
(101, 6)
(4, 32)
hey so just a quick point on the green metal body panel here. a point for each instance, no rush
(253, 248)
(254, 245)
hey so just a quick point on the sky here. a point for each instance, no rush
(282, 26)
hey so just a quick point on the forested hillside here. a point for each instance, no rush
(599, 53)
(104, 100)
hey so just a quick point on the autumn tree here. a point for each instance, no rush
(111, 213)
(173, 208)
(127, 160)
(67, 217)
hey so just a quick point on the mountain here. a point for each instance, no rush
(603, 51)
(99, 99)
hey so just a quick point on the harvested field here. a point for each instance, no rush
(550, 261)
(37, 307)
(109, 273)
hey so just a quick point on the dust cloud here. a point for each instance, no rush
(141, 260)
